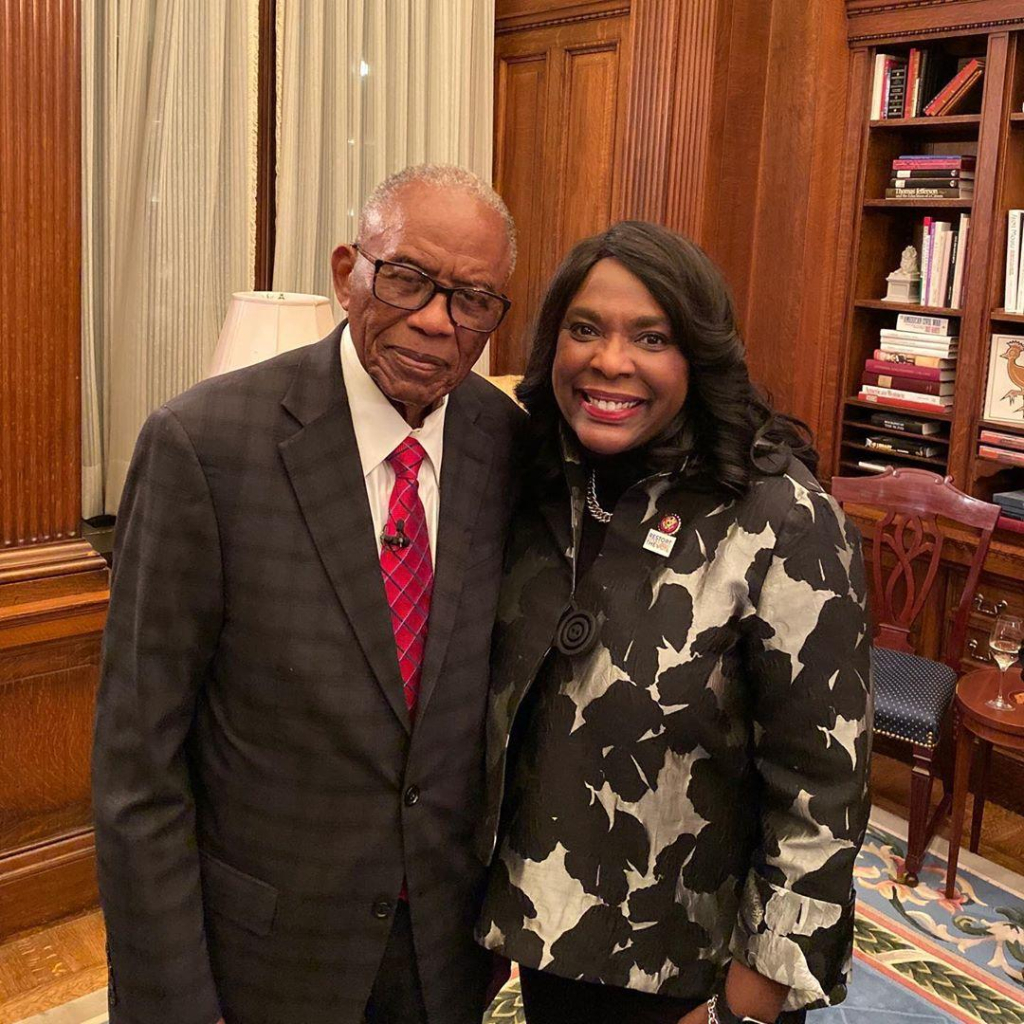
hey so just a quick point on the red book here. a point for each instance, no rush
(898, 403)
(925, 162)
(907, 370)
(913, 68)
(1000, 455)
(972, 67)
(921, 387)
(1001, 440)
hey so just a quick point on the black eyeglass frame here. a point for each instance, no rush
(436, 287)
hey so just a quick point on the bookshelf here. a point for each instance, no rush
(990, 129)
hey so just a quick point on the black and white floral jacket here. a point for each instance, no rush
(694, 786)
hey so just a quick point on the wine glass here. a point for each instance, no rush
(1005, 643)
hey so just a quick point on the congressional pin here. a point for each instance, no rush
(662, 540)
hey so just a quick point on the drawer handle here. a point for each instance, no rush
(991, 609)
(972, 644)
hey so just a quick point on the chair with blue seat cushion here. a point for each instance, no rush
(909, 515)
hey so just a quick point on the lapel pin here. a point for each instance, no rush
(662, 540)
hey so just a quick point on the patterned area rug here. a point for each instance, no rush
(920, 958)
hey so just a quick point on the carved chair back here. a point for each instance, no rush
(919, 510)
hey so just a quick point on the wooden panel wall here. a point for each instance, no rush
(40, 319)
(560, 115)
(53, 587)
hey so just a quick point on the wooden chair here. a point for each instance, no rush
(913, 694)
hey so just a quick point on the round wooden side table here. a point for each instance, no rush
(988, 727)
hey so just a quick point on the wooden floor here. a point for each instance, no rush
(46, 967)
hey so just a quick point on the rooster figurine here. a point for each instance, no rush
(1013, 352)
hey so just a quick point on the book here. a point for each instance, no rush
(908, 371)
(1013, 230)
(910, 107)
(963, 184)
(874, 467)
(958, 100)
(907, 423)
(897, 355)
(1001, 440)
(920, 323)
(911, 348)
(960, 262)
(938, 401)
(1010, 499)
(1001, 455)
(934, 342)
(947, 274)
(903, 446)
(899, 403)
(934, 161)
(937, 388)
(928, 193)
(931, 172)
(884, 63)
(926, 248)
(1004, 389)
(897, 89)
(956, 88)
(940, 279)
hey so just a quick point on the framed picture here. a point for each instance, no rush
(1004, 396)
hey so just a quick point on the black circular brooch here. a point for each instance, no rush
(577, 633)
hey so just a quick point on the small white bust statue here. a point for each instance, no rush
(905, 283)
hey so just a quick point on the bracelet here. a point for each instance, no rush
(719, 1013)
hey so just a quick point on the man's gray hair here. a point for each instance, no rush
(440, 176)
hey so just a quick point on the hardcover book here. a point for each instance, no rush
(903, 446)
(896, 422)
(900, 355)
(1001, 440)
(1004, 396)
(908, 371)
(935, 388)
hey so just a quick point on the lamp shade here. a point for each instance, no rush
(261, 324)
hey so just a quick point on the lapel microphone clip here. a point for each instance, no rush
(397, 539)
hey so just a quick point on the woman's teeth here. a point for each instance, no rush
(610, 406)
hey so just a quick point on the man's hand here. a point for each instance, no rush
(698, 1015)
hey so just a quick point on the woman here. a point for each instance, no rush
(681, 668)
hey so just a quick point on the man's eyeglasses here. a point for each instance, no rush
(405, 287)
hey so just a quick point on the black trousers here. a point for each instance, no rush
(396, 997)
(549, 999)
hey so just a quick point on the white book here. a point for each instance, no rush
(887, 334)
(939, 401)
(961, 261)
(942, 267)
(877, 85)
(940, 241)
(1012, 259)
(933, 326)
(916, 348)
(926, 249)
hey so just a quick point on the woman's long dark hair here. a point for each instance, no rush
(726, 421)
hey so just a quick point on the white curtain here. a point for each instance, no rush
(367, 87)
(169, 158)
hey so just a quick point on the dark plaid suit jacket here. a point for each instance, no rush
(259, 793)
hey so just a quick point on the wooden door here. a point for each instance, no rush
(560, 114)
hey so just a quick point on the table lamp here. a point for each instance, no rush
(262, 324)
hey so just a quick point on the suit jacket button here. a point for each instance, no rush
(412, 796)
(382, 908)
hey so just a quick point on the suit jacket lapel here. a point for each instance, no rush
(323, 464)
(465, 466)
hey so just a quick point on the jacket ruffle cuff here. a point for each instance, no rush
(795, 940)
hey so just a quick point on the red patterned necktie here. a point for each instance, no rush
(406, 566)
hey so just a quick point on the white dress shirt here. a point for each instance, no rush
(380, 429)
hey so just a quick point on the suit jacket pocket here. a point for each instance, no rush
(237, 896)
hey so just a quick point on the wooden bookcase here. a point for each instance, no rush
(876, 230)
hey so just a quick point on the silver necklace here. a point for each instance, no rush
(593, 505)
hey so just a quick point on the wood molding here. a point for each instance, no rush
(871, 21)
(40, 293)
(47, 882)
(46, 560)
(266, 148)
(519, 15)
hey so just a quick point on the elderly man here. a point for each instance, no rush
(288, 766)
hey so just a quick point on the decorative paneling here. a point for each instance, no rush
(520, 96)
(40, 432)
(559, 130)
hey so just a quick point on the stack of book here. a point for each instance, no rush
(932, 176)
(1013, 285)
(1011, 503)
(914, 366)
(1000, 447)
(923, 82)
